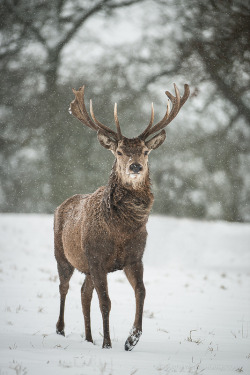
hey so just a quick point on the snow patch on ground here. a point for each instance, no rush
(197, 308)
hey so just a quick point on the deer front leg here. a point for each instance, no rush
(65, 271)
(99, 278)
(134, 273)
(86, 297)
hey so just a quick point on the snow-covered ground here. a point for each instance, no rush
(197, 308)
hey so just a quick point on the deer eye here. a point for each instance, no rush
(119, 153)
(146, 153)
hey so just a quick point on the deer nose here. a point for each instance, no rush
(135, 167)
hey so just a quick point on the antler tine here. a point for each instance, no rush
(78, 109)
(185, 95)
(177, 103)
(150, 130)
(119, 133)
(175, 100)
(142, 135)
(100, 125)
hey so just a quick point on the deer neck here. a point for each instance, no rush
(128, 203)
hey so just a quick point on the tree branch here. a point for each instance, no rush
(124, 4)
(25, 22)
(227, 91)
(102, 4)
(78, 23)
(163, 73)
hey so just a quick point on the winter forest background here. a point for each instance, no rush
(128, 51)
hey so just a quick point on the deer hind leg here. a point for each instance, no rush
(134, 273)
(99, 278)
(65, 271)
(86, 296)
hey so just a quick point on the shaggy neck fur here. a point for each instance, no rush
(129, 203)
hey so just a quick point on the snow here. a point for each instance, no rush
(197, 307)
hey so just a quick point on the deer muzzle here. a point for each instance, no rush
(135, 168)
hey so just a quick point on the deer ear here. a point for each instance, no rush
(106, 142)
(156, 141)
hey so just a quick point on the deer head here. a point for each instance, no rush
(131, 154)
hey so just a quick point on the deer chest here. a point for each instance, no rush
(126, 252)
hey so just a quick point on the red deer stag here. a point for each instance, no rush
(106, 231)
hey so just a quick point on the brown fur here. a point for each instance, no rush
(106, 231)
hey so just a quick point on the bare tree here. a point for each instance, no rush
(210, 46)
(31, 55)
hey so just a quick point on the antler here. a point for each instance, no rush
(78, 109)
(177, 103)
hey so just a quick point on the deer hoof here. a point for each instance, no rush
(89, 339)
(107, 345)
(133, 339)
(60, 332)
